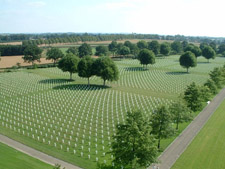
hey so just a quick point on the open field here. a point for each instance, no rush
(9, 61)
(11, 158)
(11, 43)
(74, 122)
(207, 149)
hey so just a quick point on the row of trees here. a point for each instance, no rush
(86, 67)
(10, 50)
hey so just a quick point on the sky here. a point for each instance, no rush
(164, 17)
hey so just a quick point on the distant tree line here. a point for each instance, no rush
(10, 50)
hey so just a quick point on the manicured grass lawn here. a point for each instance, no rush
(13, 159)
(207, 150)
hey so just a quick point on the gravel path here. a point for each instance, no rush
(178, 146)
(36, 154)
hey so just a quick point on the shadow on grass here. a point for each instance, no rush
(80, 87)
(56, 81)
(135, 69)
(177, 73)
(203, 62)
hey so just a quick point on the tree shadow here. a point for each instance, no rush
(177, 73)
(81, 87)
(203, 62)
(132, 69)
(56, 81)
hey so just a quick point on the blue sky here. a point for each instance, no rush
(169, 17)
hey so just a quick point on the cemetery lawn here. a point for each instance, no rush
(207, 149)
(75, 122)
(11, 158)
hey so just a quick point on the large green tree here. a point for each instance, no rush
(177, 47)
(69, 64)
(161, 123)
(124, 51)
(101, 50)
(180, 113)
(133, 146)
(165, 48)
(105, 68)
(54, 54)
(192, 96)
(142, 44)
(85, 50)
(194, 49)
(216, 76)
(32, 53)
(85, 67)
(208, 53)
(211, 85)
(154, 46)
(113, 47)
(146, 57)
(188, 60)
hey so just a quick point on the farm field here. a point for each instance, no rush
(11, 158)
(74, 122)
(207, 149)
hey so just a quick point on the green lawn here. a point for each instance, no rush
(207, 149)
(74, 122)
(13, 159)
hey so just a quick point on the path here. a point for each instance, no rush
(36, 154)
(177, 147)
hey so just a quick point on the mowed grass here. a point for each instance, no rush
(207, 149)
(74, 122)
(13, 159)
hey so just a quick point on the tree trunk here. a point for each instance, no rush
(159, 143)
(71, 76)
(104, 83)
(187, 69)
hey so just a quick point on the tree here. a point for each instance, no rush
(32, 53)
(73, 50)
(85, 67)
(194, 49)
(165, 48)
(124, 51)
(161, 123)
(192, 96)
(146, 57)
(176, 46)
(184, 44)
(154, 46)
(134, 50)
(142, 44)
(69, 64)
(133, 146)
(113, 47)
(101, 51)
(180, 113)
(203, 45)
(188, 60)
(216, 76)
(105, 68)
(208, 53)
(54, 54)
(221, 48)
(213, 45)
(211, 85)
(85, 50)
(128, 44)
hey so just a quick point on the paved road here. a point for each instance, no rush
(34, 153)
(177, 147)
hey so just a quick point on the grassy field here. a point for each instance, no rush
(74, 122)
(13, 159)
(207, 150)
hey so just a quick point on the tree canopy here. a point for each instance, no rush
(161, 123)
(73, 50)
(165, 48)
(146, 57)
(85, 50)
(154, 46)
(85, 67)
(177, 47)
(32, 53)
(124, 51)
(188, 60)
(101, 50)
(133, 146)
(69, 64)
(105, 68)
(194, 49)
(113, 47)
(54, 54)
(208, 53)
(142, 44)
